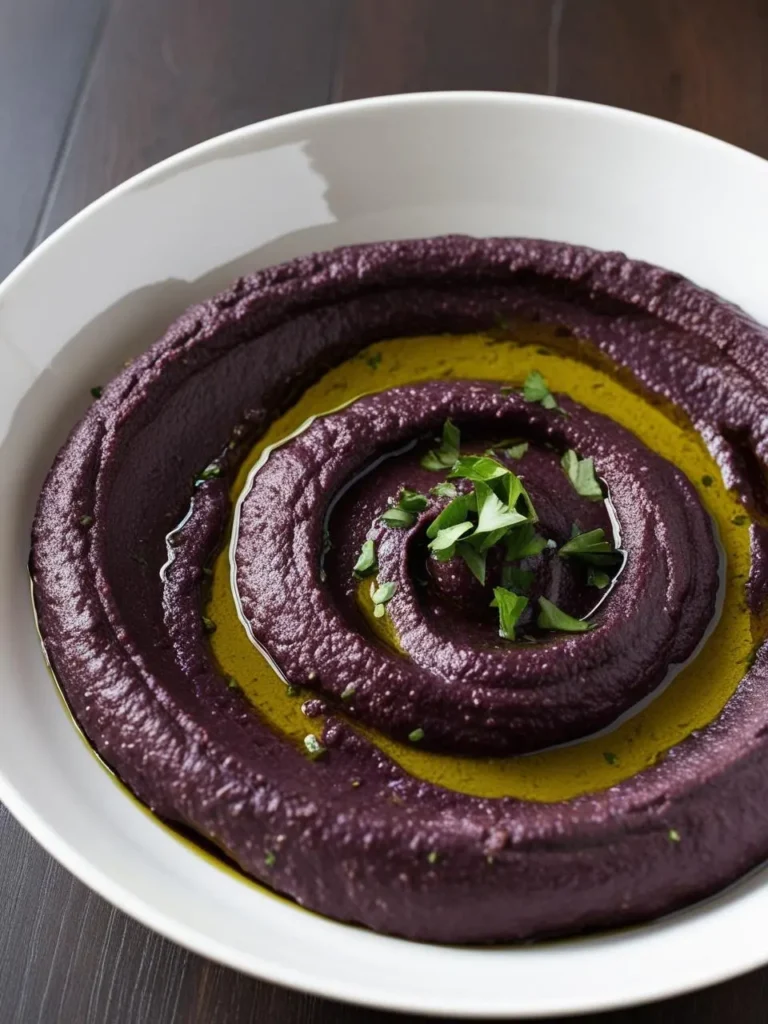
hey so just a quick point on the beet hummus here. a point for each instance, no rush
(388, 648)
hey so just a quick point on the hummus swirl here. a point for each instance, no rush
(468, 691)
(138, 502)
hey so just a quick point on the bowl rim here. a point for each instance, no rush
(120, 895)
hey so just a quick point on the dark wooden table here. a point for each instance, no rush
(92, 91)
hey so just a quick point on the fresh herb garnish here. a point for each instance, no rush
(610, 758)
(232, 683)
(477, 467)
(416, 735)
(269, 859)
(433, 857)
(597, 578)
(313, 746)
(86, 520)
(511, 606)
(211, 471)
(519, 580)
(97, 391)
(536, 389)
(474, 559)
(581, 473)
(492, 513)
(551, 617)
(516, 451)
(454, 512)
(412, 501)
(398, 518)
(673, 835)
(444, 490)
(740, 520)
(524, 542)
(444, 544)
(374, 360)
(588, 545)
(348, 692)
(380, 596)
(366, 563)
(448, 452)
(208, 624)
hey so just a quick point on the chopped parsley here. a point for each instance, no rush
(380, 596)
(536, 389)
(208, 624)
(673, 835)
(552, 618)
(448, 452)
(373, 361)
(313, 746)
(518, 580)
(86, 520)
(348, 692)
(433, 857)
(232, 683)
(610, 758)
(474, 559)
(524, 542)
(366, 563)
(416, 735)
(740, 520)
(398, 518)
(412, 501)
(444, 490)
(97, 391)
(597, 578)
(511, 606)
(209, 473)
(269, 859)
(581, 473)
(590, 547)
(516, 451)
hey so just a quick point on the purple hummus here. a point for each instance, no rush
(123, 627)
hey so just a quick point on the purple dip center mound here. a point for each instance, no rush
(468, 692)
(396, 854)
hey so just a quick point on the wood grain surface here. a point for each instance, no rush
(92, 91)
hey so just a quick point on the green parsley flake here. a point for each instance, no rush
(740, 520)
(269, 859)
(524, 542)
(673, 835)
(477, 467)
(374, 361)
(474, 559)
(610, 758)
(591, 547)
(398, 518)
(551, 617)
(536, 389)
(348, 692)
(86, 520)
(210, 472)
(581, 473)
(511, 606)
(97, 391)
(596, 578)
(380, 596)
(412, 501)
(444, 490)
(416, 735)
(448, 452)
(516, 451)
(208, 624)
(433, 856)
(366, 563)
(518, 580)
(313, 746)
(232, 683)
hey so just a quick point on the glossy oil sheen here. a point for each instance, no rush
(698, 691)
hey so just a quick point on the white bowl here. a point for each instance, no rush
(104, 286)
